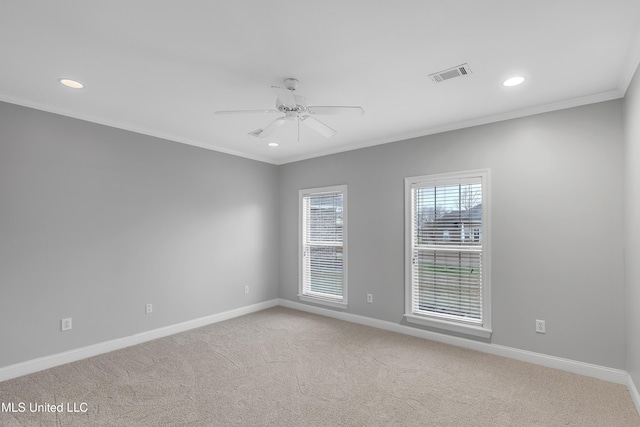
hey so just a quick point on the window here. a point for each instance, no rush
(323, 245)
(447, 253)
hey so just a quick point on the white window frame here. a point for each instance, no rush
(317, 299)
(483, 330)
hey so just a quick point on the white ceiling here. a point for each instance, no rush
(164, 67)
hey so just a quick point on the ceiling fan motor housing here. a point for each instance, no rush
(300, 107)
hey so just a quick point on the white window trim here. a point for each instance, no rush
(483, 331)
(320, 300)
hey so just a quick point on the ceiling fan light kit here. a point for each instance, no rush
(295, 109)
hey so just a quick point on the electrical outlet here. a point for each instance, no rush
(65, 324)
(540, 327)
(246, 289)
(370, 298)
(149, 308)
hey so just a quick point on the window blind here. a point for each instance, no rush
(322, 245)
(447, 249)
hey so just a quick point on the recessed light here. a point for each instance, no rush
(513, 81)
(71, 83)
(273, 144)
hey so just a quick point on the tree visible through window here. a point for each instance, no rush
(446, 254)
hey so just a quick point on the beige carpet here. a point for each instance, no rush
(281, 367)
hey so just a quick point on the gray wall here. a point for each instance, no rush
(95, 222)
(632, 227)
(557, 225)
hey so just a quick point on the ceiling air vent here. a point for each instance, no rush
(459, 71)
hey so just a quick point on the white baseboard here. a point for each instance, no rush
(586, 369)
(35, 365)
(595, 371)
(634, 392)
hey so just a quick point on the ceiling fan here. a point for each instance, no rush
(295, 108)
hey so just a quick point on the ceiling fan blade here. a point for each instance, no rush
(263, 133)
(245, 111)
(337, 110)
(285, 96)
(318, 126)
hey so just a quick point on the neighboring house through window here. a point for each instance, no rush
(447, 254)
(323, 245)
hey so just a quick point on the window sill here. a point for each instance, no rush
(323, 301)
(461, 328)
